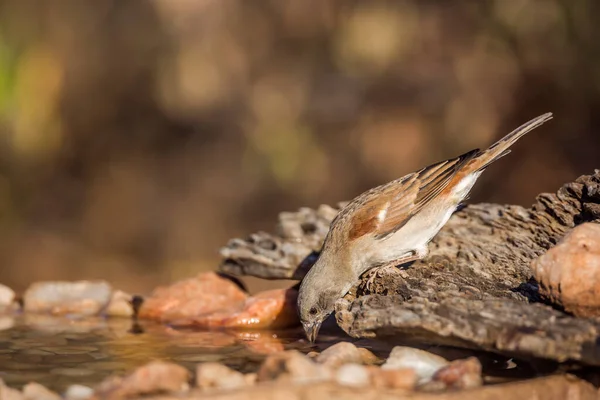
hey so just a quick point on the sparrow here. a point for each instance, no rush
(391, 225)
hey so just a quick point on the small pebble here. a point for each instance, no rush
(214, 375)
(78, 392)
(367, 356)
(250, 378)
(59, 298)
(6, 322)
(8, 393)
(425, 364)
(460, 374)
(35, 391)
(291, 365)
(120, 305)
(7, 296)
(339, 354)
(154, 377)
(404, 378)
(355, 375)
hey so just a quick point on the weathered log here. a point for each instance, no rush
(288, 254)
(475, 287)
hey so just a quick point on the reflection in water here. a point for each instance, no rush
(58, 352)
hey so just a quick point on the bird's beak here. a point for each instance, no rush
(311, 330)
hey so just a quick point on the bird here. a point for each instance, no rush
(391, 225)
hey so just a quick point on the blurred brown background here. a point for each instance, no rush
(136, 137)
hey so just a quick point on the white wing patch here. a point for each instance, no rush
(465, 185)
(382, 213)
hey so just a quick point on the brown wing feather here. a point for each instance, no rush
(387, 208)
(392, 205)
(367, 217)
(365, 220)
(431, 186)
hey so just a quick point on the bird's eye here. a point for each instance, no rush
(313, 311)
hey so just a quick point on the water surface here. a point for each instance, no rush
(58, 351)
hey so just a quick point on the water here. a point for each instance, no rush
(58, 352)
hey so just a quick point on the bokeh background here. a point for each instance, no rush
(137, 137)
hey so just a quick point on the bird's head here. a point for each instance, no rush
(319, 291)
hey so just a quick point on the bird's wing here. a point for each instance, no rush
(388, 208)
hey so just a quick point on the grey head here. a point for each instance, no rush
(322, 286)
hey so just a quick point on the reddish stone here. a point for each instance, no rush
(460, 374)
(403, 378)
(191, 298)
(213, 375)
(569, 273)
(273, 309)
(154, 377)
(292, 366)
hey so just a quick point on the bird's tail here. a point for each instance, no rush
(501, 147)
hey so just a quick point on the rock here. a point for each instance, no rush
(339, 354)
(569, 273)
(8, 393)
(291, 366)
(460, 374)
(367, 357)
(58, 297)
(402, 378)
(251, 378)
(154, 377)
(7, 296)
(120, 305)
(424, 364)
(499, 325)
(6, 322)
(272, 309)
(555, 387)
(355, 375)
(218, 376)
(35, 391)
(344, 353)
(78, 392)
(192, 298)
